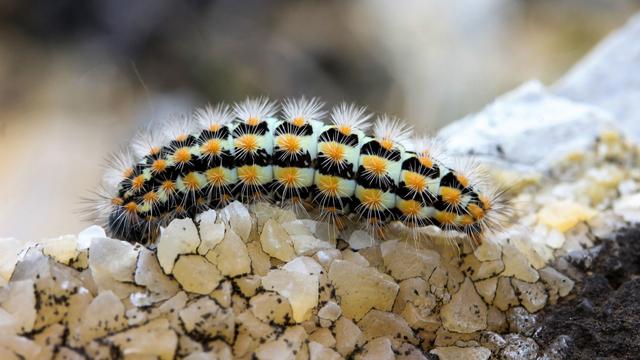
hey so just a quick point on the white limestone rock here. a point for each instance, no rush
(19, 308)
(204, 318)
(149, 274)
(466, 312)
(532, 295)
(276, 242)
(238, 218)
(231, 256)
(211, 232)
(404, 260)
(179, 237)
(516, 264)
(468, 353)
(195, 274)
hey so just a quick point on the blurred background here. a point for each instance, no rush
(78, 77)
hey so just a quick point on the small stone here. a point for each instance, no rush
(152, 339)
(521, 321)
(211, 233)
(248, 285)
(149, 274)
(285, 347)
(532, 296)
(496, 320)
(361, 239)
(466, 312)
(269, 307)
(204, 319)
(299, 227)
(556, 283)
(487, 288)
(260, 261)
(627, 207)
(223, 294)
(354, 257)
(516, 264)
(384, 324)
(377, 349)
(455, 353)
(308, 244)
(558, 349)
(62, 249)
(318, 351)
(330, 311)
(404, 261)
(276, 242)
(49, 340)
(519, 348)
(112, 258)
(18, 347)
(237, 217)
(87, 235)
(478, 270)
(564, 215)
(415, 291)
(326, 257)
(196, 274)
(323, 336)
(492, 341)
(20, 305)
(9, 250)
(348, 336)
(105, 315)
(230, 256)
(180, 237)
(300, 289)
(505, 294)
(360, 289)
(488, 251)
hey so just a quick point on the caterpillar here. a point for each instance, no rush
(258, 150)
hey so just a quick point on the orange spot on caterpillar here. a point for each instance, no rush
(415, 182)
(372, 198)
(476, 211)
(253, 121)
(211, 147)
(329, 185)
(425, 161)
(289, 177)
(182, 137)
(289, 143)
(182, 155)
(445, 217)
(386, 143)
(450, 195)
(375, 165)
(191, 181)
(126, 173)
(214, 127)
(298, 121)
(117, 201)
(345, 129)
(466, 220)
(168, 186)
(462, 179)
(249, 174)
(215, 176)
(131, 207)
(154, 150)
(158, 166)
(333, 151)
(248, 142)
(410, 208)
(150, 197)
(137, 182)
(486, 202)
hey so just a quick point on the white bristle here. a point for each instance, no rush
(392, 129)
(257, 108)
(210, 116)
(307, 110)
(351, 115)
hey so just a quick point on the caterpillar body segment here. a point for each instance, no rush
(251, 153)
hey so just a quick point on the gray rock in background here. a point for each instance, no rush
(527, 128)
(609, 77)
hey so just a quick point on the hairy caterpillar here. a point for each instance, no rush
(254, 152)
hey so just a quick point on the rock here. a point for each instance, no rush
(558, 349)
(627, 207)
(527, 115)
(20, 307)
(360, 239)
(557, 284)
(204, 319)
(9, 255)
(330, 311)
(466, 312)
(532, 295)
(301, 289)
(276, 242)
(377, 349)
(505, 294)
(496, 320)
(478, 270)
(564, 215)
(211, 233)
(360, 289)
(238, 219)
(111, 258)
(318, 351)
(519, 348)
(308, 244)
(521, 321)
(87, 235)
(230, 256)
(104, 316)
(347, 335)
(492, 341)
(404, 261)
(606, 77)
(454, 353)
(180, 237)
(196, 274)
(383, 324)
(149, 274)
(269, 307)
(487, 289)
(286, 347)
(152, 339)
(62, 249)
(516, 264)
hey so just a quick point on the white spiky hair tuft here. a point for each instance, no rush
(431, 147)
(147, 141)
(209, 116)
(307, 110)
(391, 128)
(178, 126)
(116, 168)
(351, 116)
(256, 108)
